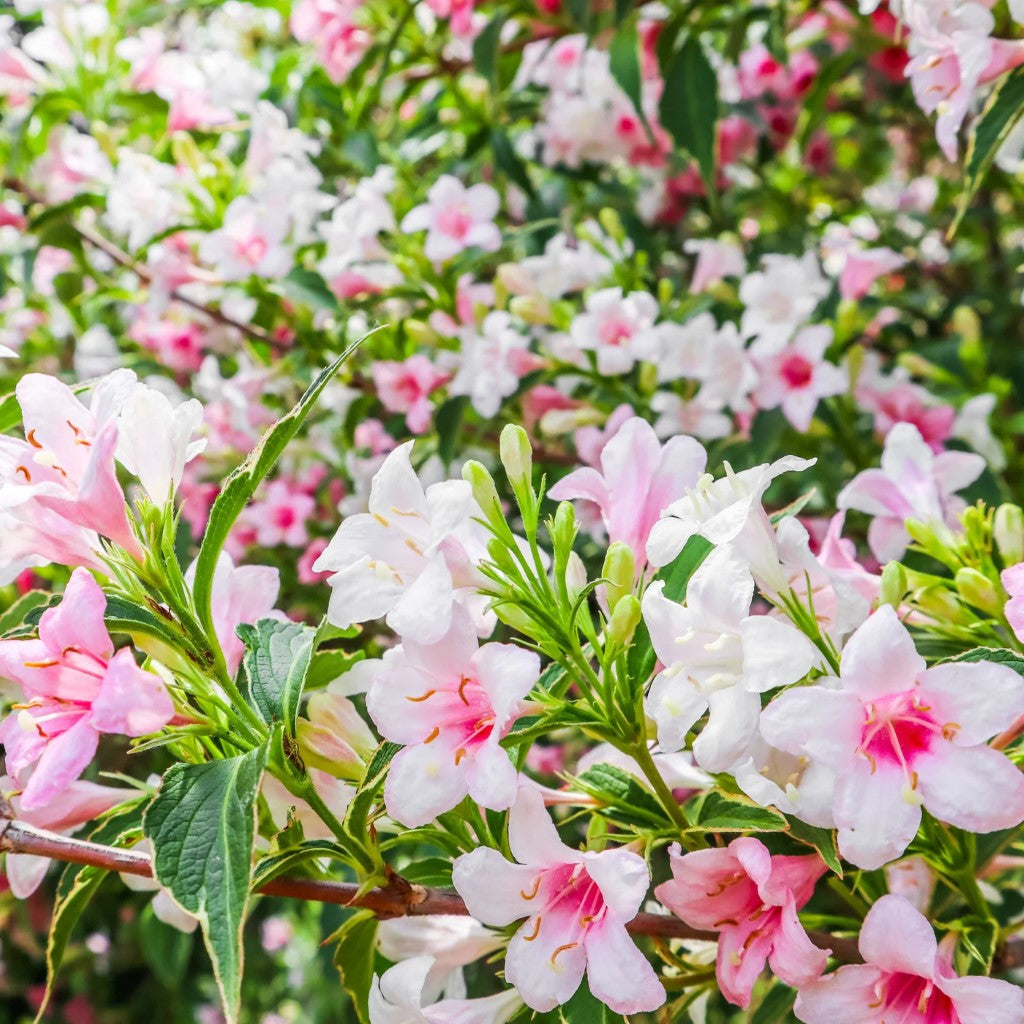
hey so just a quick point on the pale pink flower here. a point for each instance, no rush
(307, 560)
(455, 218)
(912, 483)
(914, 879)
(905, 978)
(330, 26)
(336, 794)
(863, 267)
(780, 297)
(407, 387)
(952, 54)
(900, 736)
(1013, 581)
(276, 934)
(75, 688)
(617, 328)
(797, 376)
(577, 905)
(178, 344)
(590, 441)
(280, 513)
(403, 559)
(243, 593)
(397, 997)
(50, 262)
(451, 703)
(751, 898)
(163, 905)
(716, 261)
(250, 242)
(77, 803)
(66, 464)
(639, 479)
(838, 557)
(901, 401)
(73, 163)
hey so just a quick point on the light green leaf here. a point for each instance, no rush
(355, 958)
(717, 813)
(619, 789)
(202, 826)
(276, 660)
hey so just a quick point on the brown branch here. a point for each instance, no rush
(142, 272)
(398, 898)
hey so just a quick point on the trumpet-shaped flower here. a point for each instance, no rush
(577, 906)
(900, 736)
(751, 898)
(718, 658)
(451, 703)
(397, 996)
(618, 328)
(639, 479)
(403, 559)
(455, 218)
(912, 483)
(75, 688)
(905, 978)
(66, 462)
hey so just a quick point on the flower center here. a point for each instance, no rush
(897, 730)
(911, 999)
(796, 371)
(455, 220)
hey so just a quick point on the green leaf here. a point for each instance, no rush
(689, 105)
(979, 939)
(776, 1006)
(586, 1008)
(276, 660)
(999, 117)
(995, 655)
(17, 615)
(327, 666)
(485, 49)
(355, 958)
(508, 161)
(619, 789)
(622, 9)
(166, 949)
(717, 813)
(309, 288)
(822, 839)
(624, 64)
(358, 812)
(447, 423)
(242, 483)
(10, 412)
(123, 616)
(278, 863)
(202, 826)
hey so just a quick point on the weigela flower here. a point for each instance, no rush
(912, 483)
(718, 658)
(406, 387)
(455, 218)
(404, 558)
(617, 328)
(780, 297)
(75, 688)
(639, 479)
(751, 898)
(451, 703)
(900, 736)
(905, 978)
(577, 906)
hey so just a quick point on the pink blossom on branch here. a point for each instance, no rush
(907, 978)
(577, 906)
(406, 387)
(455, 218)
(75, 688)
(751, 898)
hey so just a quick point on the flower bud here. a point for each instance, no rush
(516, 455)
(612, 223)
(484, 492)
(421, 333)
(619, 570)
(534, 309)
(515, 617)
(624, 620)
(893, 587)
(335, 738)
(575, 575)
(1008, 531)
(978, 590)
(940, 603)
(563, 527)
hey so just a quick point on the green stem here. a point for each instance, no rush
(643, 758)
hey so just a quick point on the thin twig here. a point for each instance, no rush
(142, 272)
(398, 899)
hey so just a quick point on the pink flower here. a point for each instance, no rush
(242, 593)
(406, 387)
(314, 550)
(900, 736)
(905, 402)
(330, 26)
(450, 703)
(838, 557)
(1013, 581)
(250, 242)
(797, 376)
(639, 479)
(577, 905)
(455, 218)
(78, 803)
(752, 899)
(75, 689)
(178, 345)
(66, 464)
(715, 262)
(912, 483)
(865, 266)
(617, 328)
(905, 978)
(280, 514)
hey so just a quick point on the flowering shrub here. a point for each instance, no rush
(522, 500)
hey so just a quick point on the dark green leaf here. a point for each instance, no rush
(586, 1008)
(979, 938)
(202, 826)
(689, 106)
(717, 813)
(619, 789)
(166, 949)
(355, 958)
(242, 483)
(624, 64)
(17, 615)
(276, 660)
(508, 161)
(309, 288)
(357, 815)
(822, 839)
(485, 49)
(447, 423)
(995, 655)
(141, 624)
(294, 856)
(776, 1006)
(622, 9)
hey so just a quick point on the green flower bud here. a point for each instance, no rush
(575, 576)
(1008, 530)
(563, 527)
(619, 570)
(624, 620)
(978, 590)
(942, 604)
(484, 492)
(894, 585)
(534, 309)
(335, 738)
(516, 455)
